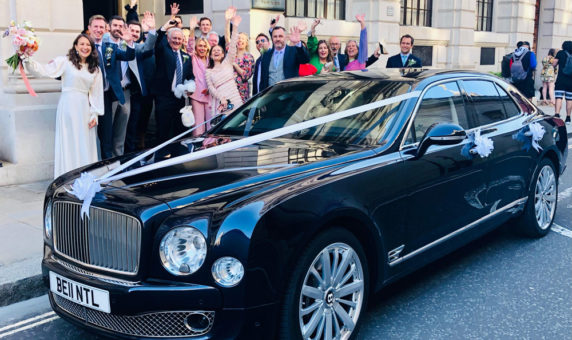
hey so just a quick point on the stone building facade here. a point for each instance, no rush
(453, 34)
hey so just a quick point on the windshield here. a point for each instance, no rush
(295, 102)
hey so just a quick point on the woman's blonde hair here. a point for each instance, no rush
(247, 48)
(206, 43)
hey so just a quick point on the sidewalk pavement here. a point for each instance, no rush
(21, 240)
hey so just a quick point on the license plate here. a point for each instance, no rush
(80, 293)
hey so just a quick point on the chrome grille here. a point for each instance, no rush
(108, 240)
(156, 324)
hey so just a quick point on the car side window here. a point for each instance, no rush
(441, 103)
(510, 107)
(486, 101)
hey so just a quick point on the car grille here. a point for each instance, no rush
(156, 324)
(107, 240)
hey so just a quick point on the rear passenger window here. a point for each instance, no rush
(488, 107)
(441, 103)
(510, 107)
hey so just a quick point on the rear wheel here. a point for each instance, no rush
(328, 289)
(536, 221)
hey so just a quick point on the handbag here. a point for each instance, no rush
(187, 116)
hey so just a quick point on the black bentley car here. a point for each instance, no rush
(287, 237)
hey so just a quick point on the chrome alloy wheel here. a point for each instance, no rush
(332, 294)
(545, 197)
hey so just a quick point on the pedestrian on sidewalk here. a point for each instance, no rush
(563, 86)
(548, 76)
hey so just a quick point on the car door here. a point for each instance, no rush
(499, 118)
(447, 190)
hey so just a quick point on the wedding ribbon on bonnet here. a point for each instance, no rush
(87, 185)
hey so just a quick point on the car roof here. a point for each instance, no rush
(412, 75)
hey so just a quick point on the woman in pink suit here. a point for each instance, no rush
(200, 99)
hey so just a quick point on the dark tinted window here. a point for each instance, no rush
(522, 103)
(293, 102)
(510, 107)
(441, 103)
(488, 106)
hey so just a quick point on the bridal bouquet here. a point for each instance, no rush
(25, 44)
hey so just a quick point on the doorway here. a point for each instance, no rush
(106, 8)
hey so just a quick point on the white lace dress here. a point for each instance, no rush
(81, 100)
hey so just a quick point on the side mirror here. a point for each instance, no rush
(441, 134)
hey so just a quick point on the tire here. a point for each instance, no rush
(538, 216)
(320, 312)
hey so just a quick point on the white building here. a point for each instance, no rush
(466, 34)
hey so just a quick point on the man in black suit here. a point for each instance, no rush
(282, 61)
(262, 45)
(173, 67)
(405, 58)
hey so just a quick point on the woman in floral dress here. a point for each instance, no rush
(548, 77)
(243, 63)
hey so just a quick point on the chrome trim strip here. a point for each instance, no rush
(458, 231)
(402, 145)
(104, 278)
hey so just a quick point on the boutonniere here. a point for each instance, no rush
(185, 58)
(123, 45)
(411, 62)
(108, 53)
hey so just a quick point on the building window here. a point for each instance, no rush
(329, 9)
(416, 12)
(425, 53)
(484, 15)
(487, 55)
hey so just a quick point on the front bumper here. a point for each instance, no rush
(142, 310)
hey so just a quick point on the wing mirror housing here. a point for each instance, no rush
(441, 134)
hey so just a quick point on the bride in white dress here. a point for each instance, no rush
(80, 103)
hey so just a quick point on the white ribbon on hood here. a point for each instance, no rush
(91, 186)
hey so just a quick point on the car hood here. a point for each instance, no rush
(228, 172)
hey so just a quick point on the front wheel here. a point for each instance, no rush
(540, 209)
(328, 289)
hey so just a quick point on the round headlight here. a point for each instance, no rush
(183, 250)
(227, 271)
(48, 221)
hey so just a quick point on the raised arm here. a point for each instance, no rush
(228, 15)
(362, 54)
(191, 43)
(312, 42)
(55, 68)
(233, 41)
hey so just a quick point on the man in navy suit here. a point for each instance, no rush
(405, 58)
(282, 61)
(340, 59)
(137, 73)
(110, 57)
(173, 67)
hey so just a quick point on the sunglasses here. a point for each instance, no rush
(260, 41)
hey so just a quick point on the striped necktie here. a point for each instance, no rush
(179, 68)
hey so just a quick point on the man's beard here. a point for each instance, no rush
(116, 34)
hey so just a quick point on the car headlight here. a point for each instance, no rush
(227, 271)
(48, 221)
(183, 250)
